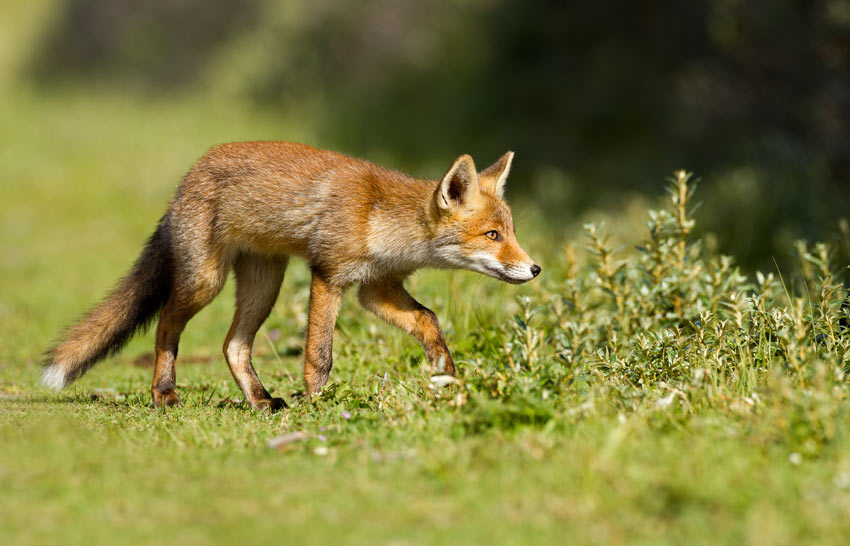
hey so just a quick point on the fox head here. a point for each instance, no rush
(474, 228)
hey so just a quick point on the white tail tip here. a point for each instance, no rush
(53, 378)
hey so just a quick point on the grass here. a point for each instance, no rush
(651, 395)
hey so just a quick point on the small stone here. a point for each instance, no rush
(279, 442)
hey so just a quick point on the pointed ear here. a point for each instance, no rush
(493, 178)
(458, 186)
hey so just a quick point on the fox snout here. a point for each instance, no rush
(517, 266)
(514, 271)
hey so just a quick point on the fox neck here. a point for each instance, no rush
(401, 236)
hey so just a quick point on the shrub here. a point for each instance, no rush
(669, 322)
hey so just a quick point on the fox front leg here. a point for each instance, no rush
(392, 303)
(325, 299)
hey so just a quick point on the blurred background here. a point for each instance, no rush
(600, 99)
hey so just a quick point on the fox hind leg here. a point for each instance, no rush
(193, 289)
(258, 281)
(172, 321)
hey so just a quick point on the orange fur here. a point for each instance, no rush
(250, 206)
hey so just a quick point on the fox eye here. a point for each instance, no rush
(493, 235)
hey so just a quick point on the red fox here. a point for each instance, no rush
(249, 207)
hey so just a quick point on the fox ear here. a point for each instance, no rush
(458, 186)
(493, 178)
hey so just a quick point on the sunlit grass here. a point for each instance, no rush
(652, 395)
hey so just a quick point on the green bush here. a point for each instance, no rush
(672, 325)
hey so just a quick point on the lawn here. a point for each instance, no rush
(649, 395)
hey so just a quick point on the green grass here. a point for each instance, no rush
(650, 396)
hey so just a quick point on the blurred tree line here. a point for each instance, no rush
(598, 98)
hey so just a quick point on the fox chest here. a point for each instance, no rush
(371, 266)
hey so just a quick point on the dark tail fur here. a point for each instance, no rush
(131, 306)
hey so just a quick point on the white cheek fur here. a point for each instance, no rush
(479, 257)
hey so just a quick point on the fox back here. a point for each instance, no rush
(353, 219)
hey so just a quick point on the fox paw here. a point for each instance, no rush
(443, 366)
(165, 399)
(270, 405)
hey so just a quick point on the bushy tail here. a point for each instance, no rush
(130, 306)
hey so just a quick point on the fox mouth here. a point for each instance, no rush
(513, 280)
(503, 275)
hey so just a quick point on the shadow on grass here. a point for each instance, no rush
(117, 401)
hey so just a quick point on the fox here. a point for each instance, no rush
(248, 208)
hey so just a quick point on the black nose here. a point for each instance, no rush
(535, 270)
